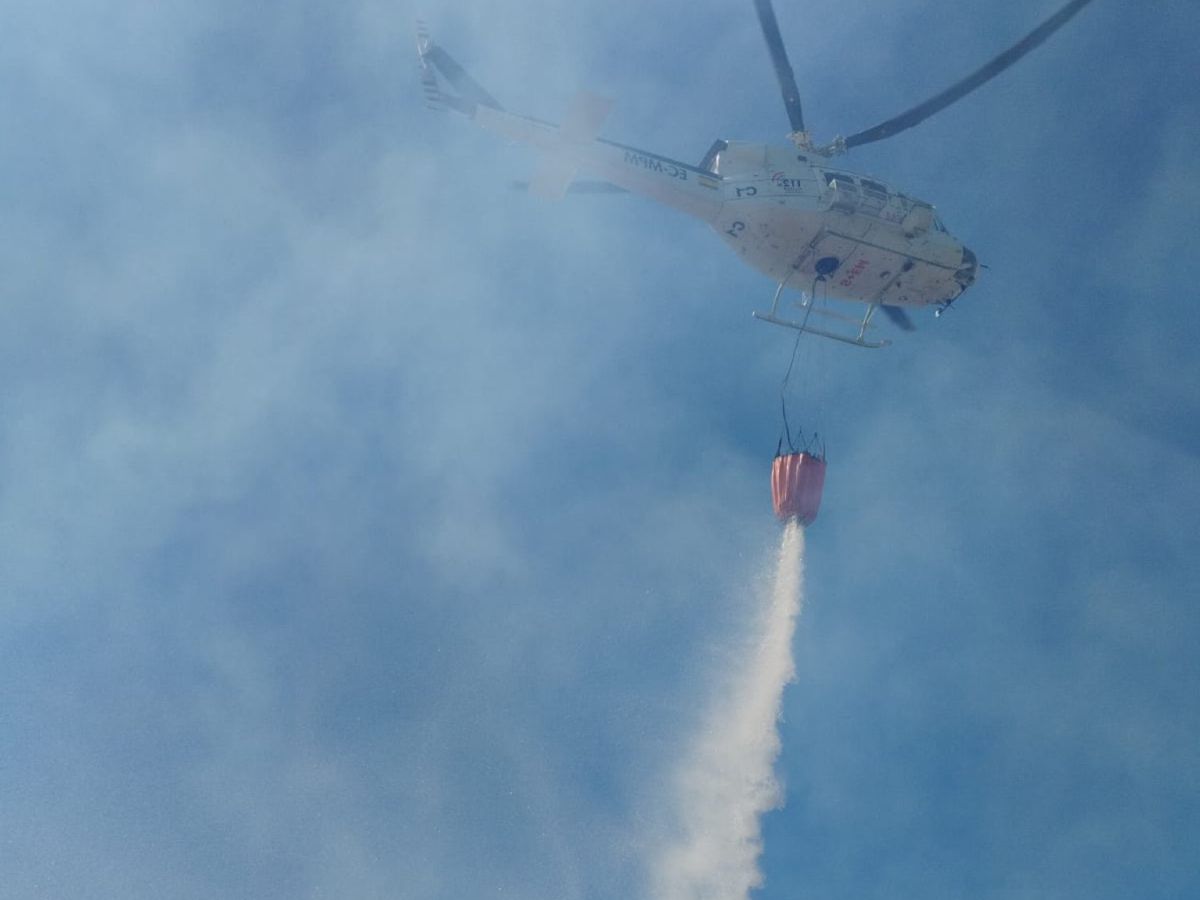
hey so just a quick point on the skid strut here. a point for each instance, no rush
(858, 340)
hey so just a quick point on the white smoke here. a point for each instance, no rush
(727, 781)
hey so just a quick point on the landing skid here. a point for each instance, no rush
(857, 340)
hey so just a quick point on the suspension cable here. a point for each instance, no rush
(787, 376)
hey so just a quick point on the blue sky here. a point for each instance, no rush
(372, 530)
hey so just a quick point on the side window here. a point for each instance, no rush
(842, 177)
(874, 187)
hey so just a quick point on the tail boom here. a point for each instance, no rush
(669, 181)
(574, 146)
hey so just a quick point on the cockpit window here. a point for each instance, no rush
(873, 186)
(831, 177)
(937, 224)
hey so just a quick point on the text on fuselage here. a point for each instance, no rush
(853, 273)
(788, 185)
(653, 164)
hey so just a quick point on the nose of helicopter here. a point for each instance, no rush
(968, 269)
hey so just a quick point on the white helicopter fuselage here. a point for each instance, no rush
(803, 224)
(812, 226)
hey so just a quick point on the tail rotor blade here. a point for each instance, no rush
(783, 69)
(899, 318)
(955, 92)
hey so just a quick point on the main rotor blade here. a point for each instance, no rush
(984, 74)
(783, 69)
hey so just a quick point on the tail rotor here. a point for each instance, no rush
(429, 81)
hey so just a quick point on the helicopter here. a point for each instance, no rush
(788, 211)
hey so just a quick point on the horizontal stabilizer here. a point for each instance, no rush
(585, 118)
(559, 165)
(553, 178)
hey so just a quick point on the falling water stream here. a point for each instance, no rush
(727, 778)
